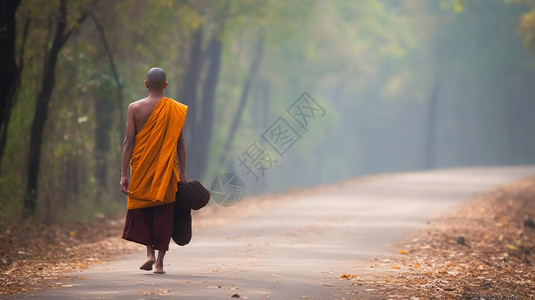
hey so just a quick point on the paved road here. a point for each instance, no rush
(297, 251)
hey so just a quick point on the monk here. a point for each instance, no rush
(154, 148)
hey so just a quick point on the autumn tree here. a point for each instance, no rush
(10, 75)
(61, 35)
(199, 124)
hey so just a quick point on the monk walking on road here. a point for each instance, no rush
(152, 144)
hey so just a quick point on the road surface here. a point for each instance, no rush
(300, 249)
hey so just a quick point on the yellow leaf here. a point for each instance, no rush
(347, 276)
(417, 266)
(459, 6)
(72, 233)
(83, 266)
(401, 251)
(396, 267)
(511, 247)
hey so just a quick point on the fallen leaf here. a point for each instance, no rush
(502, 224)
(401, 251)
(347, 276)
(511, 247)
(396, 267)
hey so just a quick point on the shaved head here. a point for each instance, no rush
(156, 79)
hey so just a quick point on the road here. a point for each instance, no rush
(298, 250)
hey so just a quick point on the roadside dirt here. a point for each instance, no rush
(34, 257)
(485, 249)
(497, 261)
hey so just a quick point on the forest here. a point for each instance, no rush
(392, 86)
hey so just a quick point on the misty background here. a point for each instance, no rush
(405, 85)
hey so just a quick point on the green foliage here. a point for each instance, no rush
(371, 64)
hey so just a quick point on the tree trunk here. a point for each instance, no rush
(431, 126)
(191, 82)
(205, 126)
(10, 74)
(41, 107)
(111, 60)
(189, 97)
(259, 117)
(104, 112)
(253, 70)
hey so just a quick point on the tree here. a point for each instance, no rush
(431, 125)
(61, 36)
(104, 111)
(189, 92)
(199, 124)
(10, 75)
(205, 126)
(247, 86)
(526, 25)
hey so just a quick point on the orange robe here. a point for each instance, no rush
(153, 166)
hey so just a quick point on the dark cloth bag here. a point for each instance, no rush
(190, 195)
(181, 226)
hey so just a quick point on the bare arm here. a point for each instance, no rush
(128, 146)
(181, 149)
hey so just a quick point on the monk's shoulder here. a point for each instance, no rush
(178, 104)
(136, 105)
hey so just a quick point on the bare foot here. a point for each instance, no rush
(147, 266)
(159, 262)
